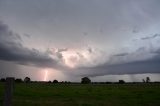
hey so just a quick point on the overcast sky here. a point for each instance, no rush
(106, 40)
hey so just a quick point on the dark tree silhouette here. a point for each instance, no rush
(147, 80)
(18, 80)
(143, 80)
(85, 80)
(121, 81)
(3, 79)
(55, 81)
(49, 81)
(108, 82)
(27, 80)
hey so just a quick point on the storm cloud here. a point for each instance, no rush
(11, 49)
(150, 65)
(121, 63)
(80, 38)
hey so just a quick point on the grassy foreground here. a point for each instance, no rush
(36, 94)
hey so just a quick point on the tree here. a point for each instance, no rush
(18, 80)
(55, 81)
(121, 81)
(85, 80)
(3, 79)
(49, 81)
(143, 80)
(27, 80)
(147, 80)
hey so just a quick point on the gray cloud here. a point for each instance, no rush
(7, 35)
(139, 62)
(150, 37)
(121, 54)
(90, 50)
(62, 50)
(135, 67)
(136, 30)
(27, 35)
(12, 50)
(157, 51)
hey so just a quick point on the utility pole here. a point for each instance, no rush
(9, 86)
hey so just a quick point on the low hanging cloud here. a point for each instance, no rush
(12, 49)
(148, 65)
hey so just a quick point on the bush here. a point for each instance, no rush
(55, 81)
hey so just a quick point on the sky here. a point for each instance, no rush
(105, 40)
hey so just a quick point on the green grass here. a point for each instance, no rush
(36, 94)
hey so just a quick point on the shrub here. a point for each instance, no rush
(55, 81)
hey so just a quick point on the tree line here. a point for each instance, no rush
(84, 80)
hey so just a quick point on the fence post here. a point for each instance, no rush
(9, 86)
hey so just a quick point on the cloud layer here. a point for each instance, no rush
(89, 61)
(81, 38)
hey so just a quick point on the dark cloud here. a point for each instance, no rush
(121, 54)
(125, 63)
(137, 67)
(18, 53)
(150, 37)
(145, 66)
(13, 50)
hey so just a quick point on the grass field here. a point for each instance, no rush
(38, 94)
